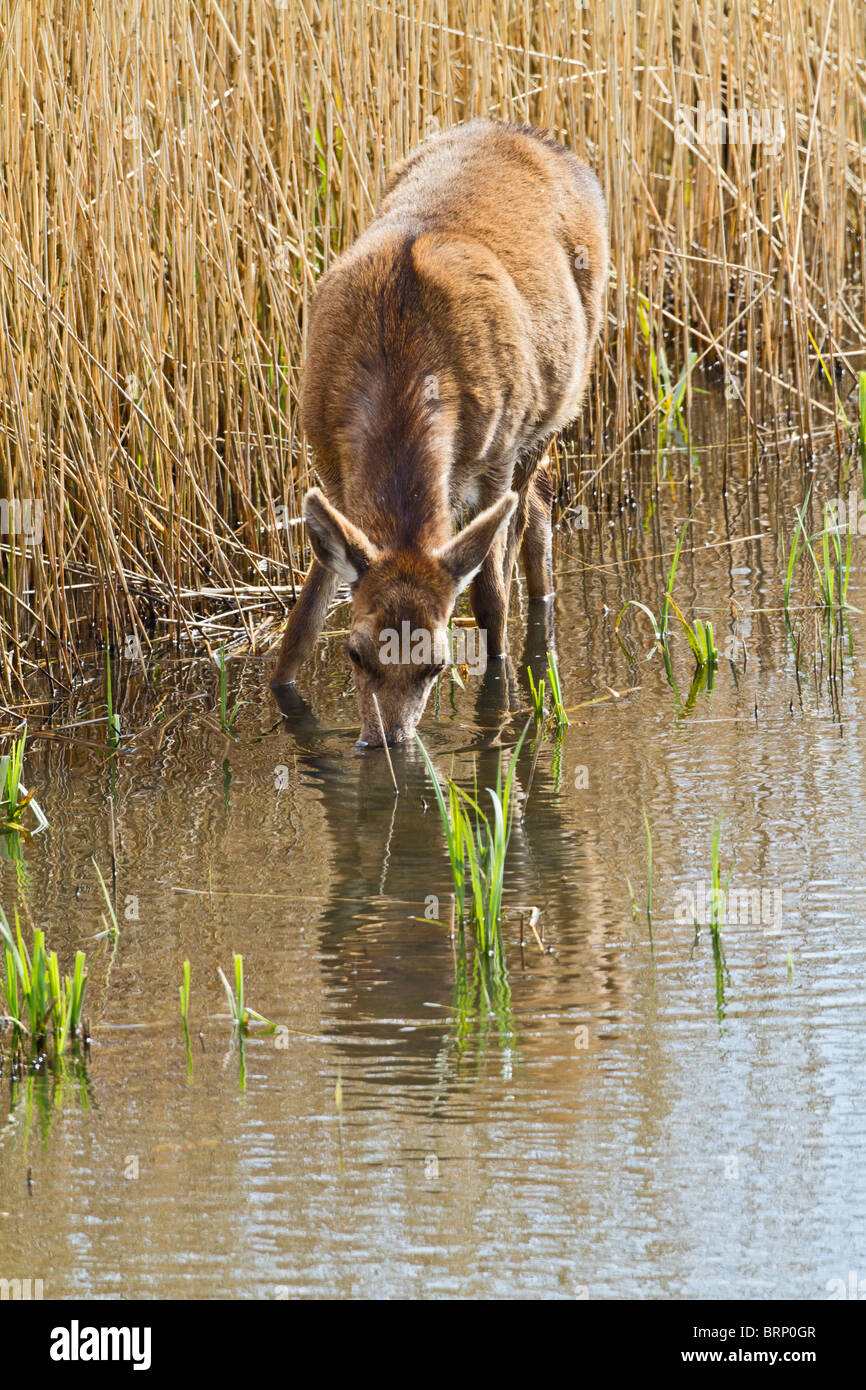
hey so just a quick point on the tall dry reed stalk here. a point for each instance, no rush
(176, 176)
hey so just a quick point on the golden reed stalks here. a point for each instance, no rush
(175, 177)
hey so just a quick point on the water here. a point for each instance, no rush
(620, 1123)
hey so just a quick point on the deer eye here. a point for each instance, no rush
(355, 656)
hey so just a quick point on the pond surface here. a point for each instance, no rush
(622, 1117)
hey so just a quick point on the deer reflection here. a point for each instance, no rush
(388, 956)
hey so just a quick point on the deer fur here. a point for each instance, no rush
(445, 346)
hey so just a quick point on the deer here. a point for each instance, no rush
(445, 347)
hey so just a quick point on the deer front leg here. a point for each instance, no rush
(305, 623)
(538, 538)
(516, 529)
(490, 599)
(492, 585)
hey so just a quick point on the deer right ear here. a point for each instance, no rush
(338, 545)
(464, 554)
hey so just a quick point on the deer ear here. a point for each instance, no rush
(464, 555)
(338, 545)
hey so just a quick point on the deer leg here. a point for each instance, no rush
(490, 600)
(538, 538)
(305, 623)
(514, 540)
(492, 585)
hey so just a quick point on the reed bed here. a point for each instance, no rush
(177, 175)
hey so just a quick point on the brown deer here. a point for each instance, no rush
(444, 348)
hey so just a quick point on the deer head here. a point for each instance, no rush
(402, 602)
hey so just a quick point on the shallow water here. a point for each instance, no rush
(619, 1122)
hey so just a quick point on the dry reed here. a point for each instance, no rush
(176, 176)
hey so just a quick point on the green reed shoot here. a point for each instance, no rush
(184, 1015)
(840, 409)
(227, 717)
(113, 719)
(701, 641)
(483, 842)
(795, 551)
(110, 926)
(635, 905)
(454, 825)
(832, 570)
(538, 693)
(700, 636)
(669, 587)
(183, 991)
(669, 394)
(649, 872)
(660, 624)
(718, 898)
(14, 796)
(236, 999)
(660, 641)
(37, 998)
(241, 1015)
(559, 714)
(718, 895)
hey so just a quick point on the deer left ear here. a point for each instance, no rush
(464, 555)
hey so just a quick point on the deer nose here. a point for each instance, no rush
(372, 738)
